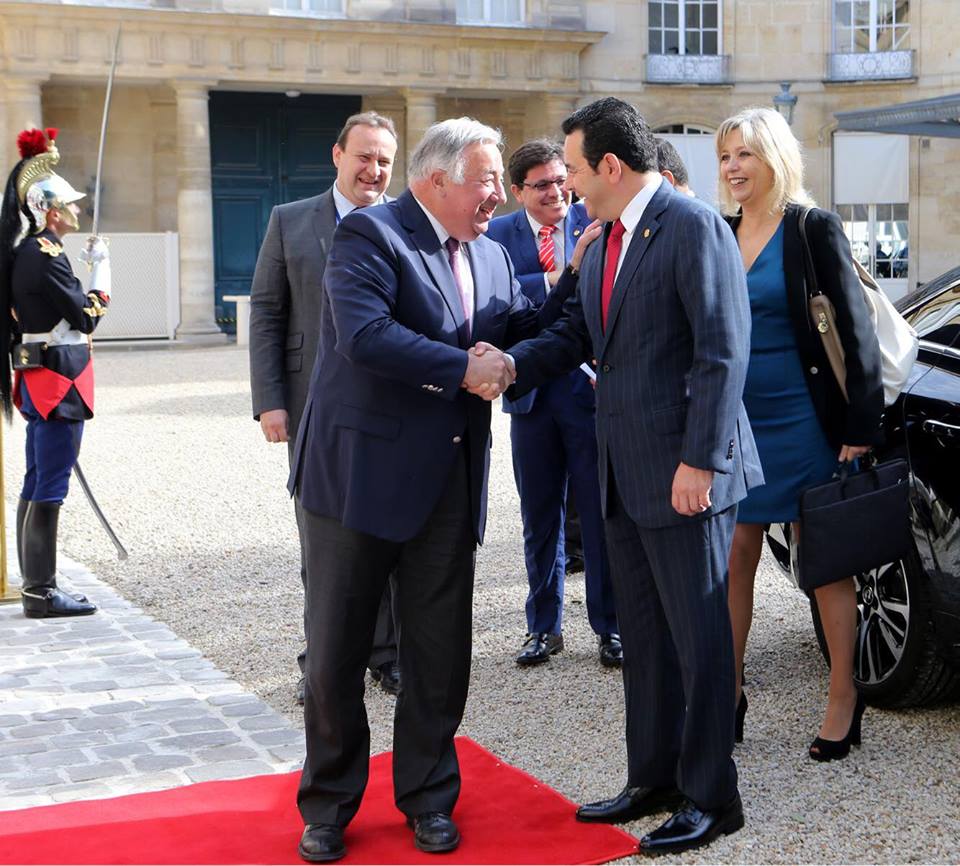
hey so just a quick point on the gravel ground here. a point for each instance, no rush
(198, 498)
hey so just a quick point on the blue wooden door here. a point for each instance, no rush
(265, 149)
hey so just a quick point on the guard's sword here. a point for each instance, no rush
(121, 550)
(103, 133)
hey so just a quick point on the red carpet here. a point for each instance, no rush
(504, 815)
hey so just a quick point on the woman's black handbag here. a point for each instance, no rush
(851, 525)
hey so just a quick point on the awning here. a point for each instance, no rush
(936, 118)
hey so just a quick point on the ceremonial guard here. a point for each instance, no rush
(45, 319)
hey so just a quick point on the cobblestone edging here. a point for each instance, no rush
(116, 703)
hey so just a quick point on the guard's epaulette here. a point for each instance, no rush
(49, 247)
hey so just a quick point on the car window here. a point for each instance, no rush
(937, 316)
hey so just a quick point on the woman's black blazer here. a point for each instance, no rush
(856, 423)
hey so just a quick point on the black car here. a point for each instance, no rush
(908, 643)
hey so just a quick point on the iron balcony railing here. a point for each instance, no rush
(688, 68)
(871, 66)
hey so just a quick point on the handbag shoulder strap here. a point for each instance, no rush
(810, 272)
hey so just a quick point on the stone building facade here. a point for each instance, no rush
(196, 77)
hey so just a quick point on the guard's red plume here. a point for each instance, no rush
(31, 142)
(52, 132)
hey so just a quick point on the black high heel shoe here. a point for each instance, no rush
(741, 715)
(834, 750)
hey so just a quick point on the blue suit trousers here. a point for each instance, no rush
(555, 444)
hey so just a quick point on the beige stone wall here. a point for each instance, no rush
(139, 166)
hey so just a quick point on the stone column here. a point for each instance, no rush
(195, 215)
(421, 113)
(19, 108)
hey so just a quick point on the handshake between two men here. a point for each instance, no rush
(489, 371)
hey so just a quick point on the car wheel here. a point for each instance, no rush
(895, 662)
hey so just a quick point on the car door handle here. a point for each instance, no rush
(939, 428)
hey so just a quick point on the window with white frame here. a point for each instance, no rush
(880, 237)
(326, 6)
(869, 26)
(490, 11)
(684, 26)
(682, 129)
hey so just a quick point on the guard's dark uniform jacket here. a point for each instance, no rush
(45, 290)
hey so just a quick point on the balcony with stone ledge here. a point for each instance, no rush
(871, 66)
(688, 68)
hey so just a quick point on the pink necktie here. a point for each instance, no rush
(456, 263)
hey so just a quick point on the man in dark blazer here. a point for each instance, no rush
(662, 305)
(285, 302)
(390, 468)
(553, 429)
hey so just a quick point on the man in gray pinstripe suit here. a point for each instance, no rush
(662, 305)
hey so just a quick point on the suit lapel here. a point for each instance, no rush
(434, 256)
(482, 292)
(325, 221)
(643, 236)
(527, 245)
(794, 270)
(591, 281)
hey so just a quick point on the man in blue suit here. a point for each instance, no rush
(390, 469)
(552, 429)
(662, 305)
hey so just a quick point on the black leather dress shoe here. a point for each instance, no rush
(322, 843)
(574, 564)
(301, 692)
(611, 651)
(630, 804)
(693, 827)
(388, 675)
(538, 648)
(434, 832)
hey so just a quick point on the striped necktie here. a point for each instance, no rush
(547, 252)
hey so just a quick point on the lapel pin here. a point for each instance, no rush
(576, 232)
(646, 233)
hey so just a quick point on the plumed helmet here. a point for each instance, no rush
(39, 187)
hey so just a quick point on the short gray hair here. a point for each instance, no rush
(443, 144)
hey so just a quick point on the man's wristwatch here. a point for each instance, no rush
(570, 269)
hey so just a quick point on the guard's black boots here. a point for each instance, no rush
(38, 555)
(21, 514)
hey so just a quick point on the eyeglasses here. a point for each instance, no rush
(545, 185)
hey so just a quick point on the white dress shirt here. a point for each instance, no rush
(559, 259)
(633, 213)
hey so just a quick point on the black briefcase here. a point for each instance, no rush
(851, 525)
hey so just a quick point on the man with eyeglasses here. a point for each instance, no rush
(552, 429)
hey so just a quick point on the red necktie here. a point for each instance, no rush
(548, 251)
(614, 245)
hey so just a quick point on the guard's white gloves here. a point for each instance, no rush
(95, 250)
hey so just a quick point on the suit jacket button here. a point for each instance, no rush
(814, 371)
(457, 440)
(605, 368)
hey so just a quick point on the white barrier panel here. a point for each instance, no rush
(146, 284)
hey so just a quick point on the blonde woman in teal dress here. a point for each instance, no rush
(803, 427)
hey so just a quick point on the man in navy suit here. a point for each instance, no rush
(662, 305)
(390, 469)
(552, 429)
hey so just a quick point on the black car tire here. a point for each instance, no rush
(919, 676)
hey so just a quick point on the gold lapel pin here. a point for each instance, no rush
(646, 233)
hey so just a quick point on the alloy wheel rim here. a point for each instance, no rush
(883, 622)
